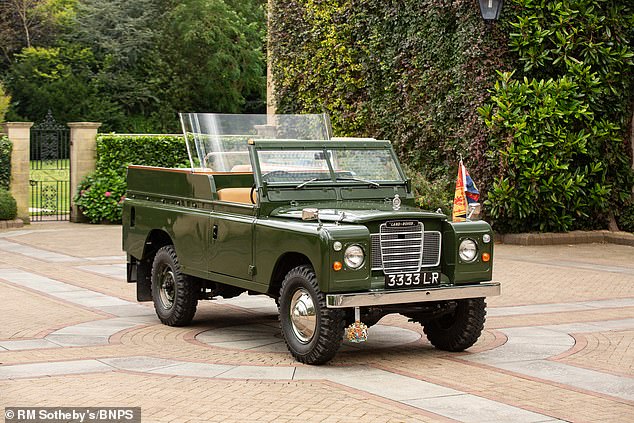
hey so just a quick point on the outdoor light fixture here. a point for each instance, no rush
(491, 9)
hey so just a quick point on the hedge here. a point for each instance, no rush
(116, 152)
(5, 161)
(100, 195)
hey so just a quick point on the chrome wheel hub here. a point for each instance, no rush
(167, 288)
(303, 316)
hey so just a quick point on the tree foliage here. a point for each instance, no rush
(138, 63)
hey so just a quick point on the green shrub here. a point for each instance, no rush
(559, 125)
(8, 206)
(431, 195)
(5, 161)
(547, 178)
(100, 195)
(626, 218)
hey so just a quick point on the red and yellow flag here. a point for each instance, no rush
(460, 199)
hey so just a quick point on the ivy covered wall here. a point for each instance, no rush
(423, 74)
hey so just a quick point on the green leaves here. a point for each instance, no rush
(557, 133)
(100, 195)
(5, 161)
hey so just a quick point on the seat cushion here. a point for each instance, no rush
(236, 195)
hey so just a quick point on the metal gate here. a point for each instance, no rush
(50, 170)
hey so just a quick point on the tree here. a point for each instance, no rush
(5, 100)
(27, 23)
(215, 55)
(61, 79)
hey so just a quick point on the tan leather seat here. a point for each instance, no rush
(236, 195)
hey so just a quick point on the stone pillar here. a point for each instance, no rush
(20, 135)
(270, 86)
(83, 159)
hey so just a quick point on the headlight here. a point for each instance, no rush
(468, 250)
(353, 257)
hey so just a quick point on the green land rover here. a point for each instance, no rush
(274, 205)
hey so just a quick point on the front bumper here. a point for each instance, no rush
(368, 299)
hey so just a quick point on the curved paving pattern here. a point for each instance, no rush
(544, 354)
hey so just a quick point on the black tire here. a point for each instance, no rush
(322, 345)
(175, 295)
(460, 329)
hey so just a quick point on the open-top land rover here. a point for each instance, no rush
(327, 226)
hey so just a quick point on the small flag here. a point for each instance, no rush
(460, 199)
(466, 193)
(472, 193)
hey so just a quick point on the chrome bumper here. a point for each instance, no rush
(366, 299)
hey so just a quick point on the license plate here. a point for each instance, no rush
(412, 280)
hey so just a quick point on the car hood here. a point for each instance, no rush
(357, 212)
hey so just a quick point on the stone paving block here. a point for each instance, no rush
(140, 363)
(117, 271)
(130, 310)
(51, 369)
(37, 282)
(517, 351)
(536, 309)
(473, 409)
(44, 255)
(395, 387)
(617, 386)
(106, 327)
(27, 344)
(259, 372)
(194, 370)
(97, 301)
(77, 340)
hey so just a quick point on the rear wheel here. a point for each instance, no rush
(460, 329)
(313, 332)
(175, 296)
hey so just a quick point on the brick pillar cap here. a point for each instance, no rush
(18, 124)
(92, 125)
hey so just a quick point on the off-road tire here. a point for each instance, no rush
(185, 293)
(328, 334)
(460, 329)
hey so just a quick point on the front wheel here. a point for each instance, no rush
(313, 333)
(175, 295)
(459, 329)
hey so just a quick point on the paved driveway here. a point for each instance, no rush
(558, 345)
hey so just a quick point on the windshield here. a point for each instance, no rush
(302, 167)
(218, 142)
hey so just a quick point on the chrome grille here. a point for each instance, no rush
(431, 250)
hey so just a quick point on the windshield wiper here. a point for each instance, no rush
(303, 184)
(352, 178)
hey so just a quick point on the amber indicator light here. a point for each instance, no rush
(337, 266)
(486, 256)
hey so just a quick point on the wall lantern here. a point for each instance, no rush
(491, 9)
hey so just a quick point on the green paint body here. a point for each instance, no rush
(241, 244)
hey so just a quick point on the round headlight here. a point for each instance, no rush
(468, 250)
(353, 256)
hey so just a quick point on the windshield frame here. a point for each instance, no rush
(257, 146)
